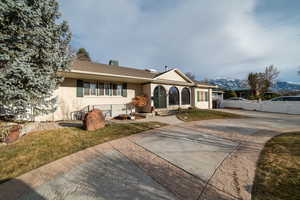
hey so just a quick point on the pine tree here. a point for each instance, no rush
(34, 47)
(82, 54)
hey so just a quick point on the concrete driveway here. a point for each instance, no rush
(213, 159)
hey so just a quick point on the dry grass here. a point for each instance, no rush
(199, 114)
(40, 148)
(278, 171)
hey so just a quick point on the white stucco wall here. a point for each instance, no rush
(68, 102)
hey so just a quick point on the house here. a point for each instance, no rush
(112, 87)
(217, 97)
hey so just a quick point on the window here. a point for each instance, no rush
(103, 89)
(206, 96)
(114, 89)
(86, 87)
(185, 96)
(202, 96)
(119, 90)
(173, 96)
(107, 89)
(93, 89)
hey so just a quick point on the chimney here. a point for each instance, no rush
(114, 62)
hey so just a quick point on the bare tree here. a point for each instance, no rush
(260, 82)
(191, 76)
(271, 74)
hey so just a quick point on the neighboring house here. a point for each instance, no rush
(89, 85)
(217, 98)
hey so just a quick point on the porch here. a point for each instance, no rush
(164, 97)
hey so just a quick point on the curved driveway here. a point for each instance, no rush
(213, 159)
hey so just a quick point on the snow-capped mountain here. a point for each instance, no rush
(229, 83)
(233, 84)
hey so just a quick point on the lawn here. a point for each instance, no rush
(278, 170)
(40, 148)
(199, 114)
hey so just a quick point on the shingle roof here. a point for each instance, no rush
(111, 69)
(87, 66)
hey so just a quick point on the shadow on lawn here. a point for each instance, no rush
(76, 124)
(16, 189)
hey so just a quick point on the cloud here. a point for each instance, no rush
(210, 38)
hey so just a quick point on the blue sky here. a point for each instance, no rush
(211, 38)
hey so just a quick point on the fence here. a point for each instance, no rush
(288, 107)
(109, 110)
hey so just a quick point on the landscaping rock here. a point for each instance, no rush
(13, 135)
(94, 120)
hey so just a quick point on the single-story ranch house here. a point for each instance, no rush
(111, 88)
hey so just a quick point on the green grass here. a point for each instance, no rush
(198, 114)
(278, 170)
(40, 148)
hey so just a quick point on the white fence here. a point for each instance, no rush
(288, 107)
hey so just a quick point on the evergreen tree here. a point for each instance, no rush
(34, 47)
(229, 93)
(82, 54)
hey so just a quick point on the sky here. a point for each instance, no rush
(210, 38)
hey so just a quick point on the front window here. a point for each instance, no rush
(102, 89)
(114, 89)
(206, 96)
(185, 96)
(86, 87)
(119, 90)
(107, 89)
(202, 96)
(93, 88)
(173, 96)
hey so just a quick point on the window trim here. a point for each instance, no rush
(103, 89)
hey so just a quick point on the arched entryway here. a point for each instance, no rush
(160, 97)
(173, 96)
(185, 96)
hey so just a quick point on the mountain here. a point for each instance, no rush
(287, 86)
(235, 84)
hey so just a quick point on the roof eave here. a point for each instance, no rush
(110, 75)
(206, 86)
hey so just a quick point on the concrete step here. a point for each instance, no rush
(165, 112)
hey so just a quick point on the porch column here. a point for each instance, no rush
(167, 96)
(180, 90)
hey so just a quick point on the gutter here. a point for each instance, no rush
(111, 75)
